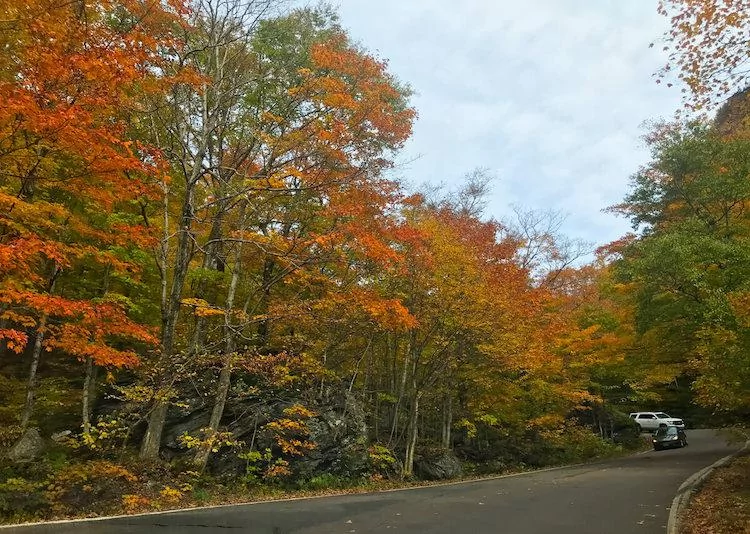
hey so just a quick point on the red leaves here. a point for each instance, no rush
(80, 328)
(72, 77)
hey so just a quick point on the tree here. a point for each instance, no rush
(709, 44)
(691, 205)
(192, 126)
(544, 251)
(280, 152)
(476, 315)
(70, 179)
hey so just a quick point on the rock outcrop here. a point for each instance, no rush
(338, 430)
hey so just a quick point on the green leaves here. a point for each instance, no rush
(692, 258)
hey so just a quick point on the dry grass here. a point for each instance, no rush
(722, 506)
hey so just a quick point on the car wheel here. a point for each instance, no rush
(657, 447)
(640, 428)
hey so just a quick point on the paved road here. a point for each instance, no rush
(629, 495)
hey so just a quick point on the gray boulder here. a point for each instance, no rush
(29, 447)
(340, 433)
(60, 437)
(437, 465)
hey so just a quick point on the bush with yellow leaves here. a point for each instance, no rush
(97, 486)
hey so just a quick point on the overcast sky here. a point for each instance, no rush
(549, 95)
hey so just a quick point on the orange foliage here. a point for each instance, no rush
(84, 329)
(291, 432)
(708, 45)
(83, 488)
(70, 78)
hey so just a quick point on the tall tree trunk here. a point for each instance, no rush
(401, 392)
(211, 261)
(447, 421)
(31, 384)
(170, 311)
(86, 396)
(225, 376)
(3, 342)
(376, 416)
(263, 326)
(413, 423)
(36, 354)
(412, 434)
(222, 389)
(89, 377)
(152, 439)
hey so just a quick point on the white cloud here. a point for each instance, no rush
(549, 94)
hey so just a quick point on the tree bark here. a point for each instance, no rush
(225, 376)
(413, 423)
(263, 326)
(171, 308)
(31, 384)
(411, 441)
(447, 422)
(211, 261)
(86, 396)
(222, 389)
(401, 392)
(36, 354)
(152, 439)
(3, 342)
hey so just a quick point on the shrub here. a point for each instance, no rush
(170, 496)
(568, 443)
(93, 487)
(264, 466)
(21, 499)
(133, 503)
(383, 463)
(201, 495)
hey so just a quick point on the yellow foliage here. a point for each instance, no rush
(201, 308)
(548, 421)
(208, 312)
(78, 488)
(170, 495)
(290, 434)
(297, 410)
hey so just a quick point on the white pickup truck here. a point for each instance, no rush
(650, 421)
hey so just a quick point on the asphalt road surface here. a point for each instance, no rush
(628, 495)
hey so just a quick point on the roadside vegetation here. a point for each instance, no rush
(722, 505)
(215, 286)
(98, 488)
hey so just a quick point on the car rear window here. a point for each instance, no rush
(662, 416)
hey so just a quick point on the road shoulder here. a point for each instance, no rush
(684, 505)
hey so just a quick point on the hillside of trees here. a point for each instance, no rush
(215, 283)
